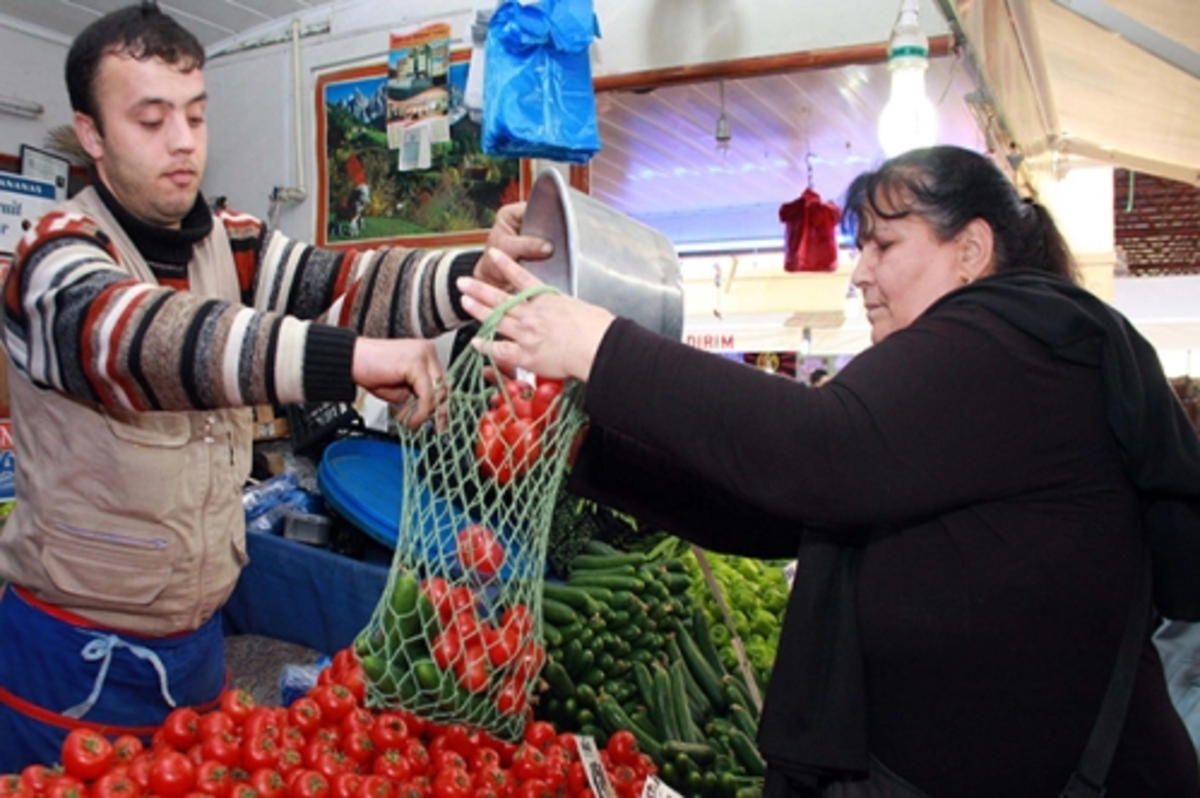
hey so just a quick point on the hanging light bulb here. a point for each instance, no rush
(723, 135)
(908, 120)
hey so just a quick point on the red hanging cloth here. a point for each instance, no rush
(810, 233)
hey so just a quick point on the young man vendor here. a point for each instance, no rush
(140, 328)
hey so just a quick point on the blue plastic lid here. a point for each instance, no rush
(361, 478)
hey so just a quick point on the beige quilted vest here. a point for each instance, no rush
(132, 520)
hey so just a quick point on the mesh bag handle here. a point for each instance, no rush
(457, 633)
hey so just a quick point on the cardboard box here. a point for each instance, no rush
(268, 425)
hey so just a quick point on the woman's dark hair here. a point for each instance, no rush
(949, 187)
(139, 31)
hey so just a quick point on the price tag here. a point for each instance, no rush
(789, 572)
(657, 788)
(590, 757)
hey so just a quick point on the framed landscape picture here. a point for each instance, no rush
(399, 158)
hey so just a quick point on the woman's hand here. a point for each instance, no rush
(506, 237)
(399, 371)
(551, 335)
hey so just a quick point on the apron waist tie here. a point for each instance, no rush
(101, 649)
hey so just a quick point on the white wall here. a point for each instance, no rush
(252, 130)
(33, 70)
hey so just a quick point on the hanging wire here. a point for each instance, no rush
(808, 156)
(950, 75)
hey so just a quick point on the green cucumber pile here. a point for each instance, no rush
(626, 648)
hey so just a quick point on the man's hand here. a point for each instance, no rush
(401, 370)
(505, 236)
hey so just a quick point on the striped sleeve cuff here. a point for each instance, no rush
(449, 298)
(328, 355)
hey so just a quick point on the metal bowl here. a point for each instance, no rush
(604, 257)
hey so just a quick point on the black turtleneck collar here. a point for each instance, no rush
(160, 244)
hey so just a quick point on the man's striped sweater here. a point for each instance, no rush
(78, 323)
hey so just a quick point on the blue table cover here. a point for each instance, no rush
(303, 595)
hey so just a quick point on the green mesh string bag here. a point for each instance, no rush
(457, 634)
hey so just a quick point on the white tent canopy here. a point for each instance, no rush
(1108, 81)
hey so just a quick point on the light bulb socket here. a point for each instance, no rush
(724, 134)
(907, 39)
(916, 52)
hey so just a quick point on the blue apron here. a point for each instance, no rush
(59, 672)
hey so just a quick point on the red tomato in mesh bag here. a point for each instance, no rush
(544, 396)
(503, 644)
(490, 450)
(512, 698)
(509, 440)
(479, 550)
(519, 398)
(524, 442)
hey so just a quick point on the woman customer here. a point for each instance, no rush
(965, 497)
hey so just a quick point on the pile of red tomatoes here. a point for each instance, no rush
(326, 744)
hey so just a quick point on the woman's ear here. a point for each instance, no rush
(976, 250)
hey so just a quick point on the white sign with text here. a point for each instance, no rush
(23, 200)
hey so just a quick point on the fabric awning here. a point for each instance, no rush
(1109, 81)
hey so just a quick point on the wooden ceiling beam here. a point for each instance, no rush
(649, 79)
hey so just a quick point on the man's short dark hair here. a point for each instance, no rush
(140, 31)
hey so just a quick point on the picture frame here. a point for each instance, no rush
(421, 193)
(44, 165)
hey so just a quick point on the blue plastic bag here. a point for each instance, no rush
(257, 499)
(538, 100)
